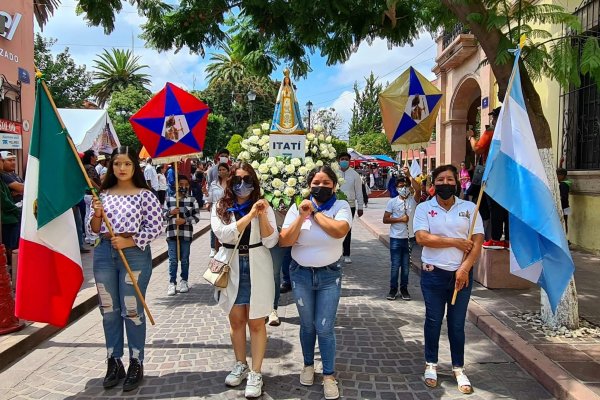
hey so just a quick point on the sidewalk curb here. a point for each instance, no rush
(554, 379)
(24, 341)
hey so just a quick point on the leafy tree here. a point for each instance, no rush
(128, 100)
(366, 114)
(242, 54)
(235, 145)
(372, 143)
(68, 82)
(218, 134)
(43, 9)
(236, 108)
(116, 70)
(327, 118)
(336, 28)
(227, 65)
(339, 145)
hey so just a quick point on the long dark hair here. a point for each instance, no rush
(110, 179)
(229, 197)
(87, 156)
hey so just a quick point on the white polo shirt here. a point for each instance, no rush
(454, 223)
(314, 247)
(399, 207)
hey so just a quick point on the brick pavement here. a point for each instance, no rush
(189, 353)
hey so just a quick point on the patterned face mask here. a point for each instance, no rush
(404, 191)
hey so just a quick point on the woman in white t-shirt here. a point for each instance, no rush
(316, 231)
(442, 226)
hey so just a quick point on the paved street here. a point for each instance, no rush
(189, 353)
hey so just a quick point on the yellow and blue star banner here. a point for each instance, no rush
(409, 108)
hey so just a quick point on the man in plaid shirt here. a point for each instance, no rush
(182, 218)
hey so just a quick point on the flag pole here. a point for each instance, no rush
(471, 229)
(96, 197)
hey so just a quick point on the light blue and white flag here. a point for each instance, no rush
(515, 178)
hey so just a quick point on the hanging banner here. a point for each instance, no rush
(287, 146)
(10, 141)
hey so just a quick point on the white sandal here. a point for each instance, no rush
(464, 385)
(430, 374)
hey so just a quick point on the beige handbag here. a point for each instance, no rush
(217, 273)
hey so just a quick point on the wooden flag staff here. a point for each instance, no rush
(471, 229)
(105, 218)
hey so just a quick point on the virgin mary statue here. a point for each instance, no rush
(287, 118)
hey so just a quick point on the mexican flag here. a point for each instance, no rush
(49, 272)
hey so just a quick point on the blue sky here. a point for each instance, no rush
(325, 86)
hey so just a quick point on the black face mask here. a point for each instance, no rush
(321, 193)
(445, 191)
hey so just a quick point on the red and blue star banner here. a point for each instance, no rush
(172, 123)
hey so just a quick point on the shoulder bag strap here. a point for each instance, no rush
(235, 248)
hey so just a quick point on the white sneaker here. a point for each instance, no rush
(274, 319)
(171, 290)
(347, 260)
(307, 376)
(237, 374)
(183, 287)
(212, 254)
(254, 385)
(330, 389)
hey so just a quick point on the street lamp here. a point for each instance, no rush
(251, 97)
(309, 106)
(123, 113)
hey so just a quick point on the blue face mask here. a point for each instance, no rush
(243, 189)
(344, 164)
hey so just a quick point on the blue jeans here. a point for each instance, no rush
(119, 304)
(399, 252)
(244, 286)
(317, 294)
(282, 256)
(437, 287)
(184, 254)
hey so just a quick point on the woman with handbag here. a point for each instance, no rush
(316, 231)
(245, 225)
(136, 217)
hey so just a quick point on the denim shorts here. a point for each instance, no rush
(243, 295)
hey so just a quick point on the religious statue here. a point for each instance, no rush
(287, 118)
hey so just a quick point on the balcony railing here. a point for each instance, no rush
(449, 36)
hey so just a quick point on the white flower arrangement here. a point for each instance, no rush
(282, 178)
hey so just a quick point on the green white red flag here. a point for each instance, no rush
(50, 271)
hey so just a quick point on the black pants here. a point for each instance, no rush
(348, 238)
(498, 219)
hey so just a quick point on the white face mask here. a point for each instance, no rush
(223, 159)
(404, 191)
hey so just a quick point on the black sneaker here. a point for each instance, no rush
(285, 287)
(404, 293)
(115, 371)
(392, 294)
(135, 374)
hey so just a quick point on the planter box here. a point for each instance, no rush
(493, 271)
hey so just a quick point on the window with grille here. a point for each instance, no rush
(581, 105)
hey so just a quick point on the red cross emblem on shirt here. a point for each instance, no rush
(432, 213)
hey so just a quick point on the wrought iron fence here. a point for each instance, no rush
(580, 106)
(449, 36)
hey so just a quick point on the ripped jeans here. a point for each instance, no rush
(317, 295)
(119, 304)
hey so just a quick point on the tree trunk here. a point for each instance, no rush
(567, 313)
(489, 39)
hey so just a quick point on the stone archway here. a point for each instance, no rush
(464, 113)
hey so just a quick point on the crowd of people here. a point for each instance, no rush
(303, 250)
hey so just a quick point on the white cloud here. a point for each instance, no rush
(343, 106)
(85, 43)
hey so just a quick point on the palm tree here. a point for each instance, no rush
(115, 71)
(43, 9)
(226, 66)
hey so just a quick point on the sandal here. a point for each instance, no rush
(430, 375)
(464, 385)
